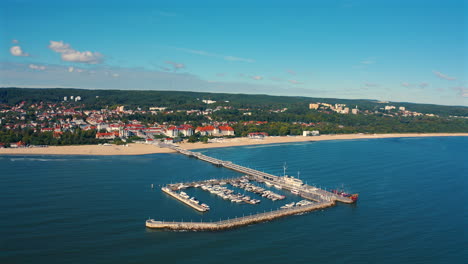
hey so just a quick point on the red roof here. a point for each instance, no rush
(206, 128)
(185, 127)
(226, 128)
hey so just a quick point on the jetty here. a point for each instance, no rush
(236, 222)
(185, 200)
(321, 198)
(285, 182)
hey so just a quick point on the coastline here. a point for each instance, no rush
(142, 149)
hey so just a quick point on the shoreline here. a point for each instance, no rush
(142, 149)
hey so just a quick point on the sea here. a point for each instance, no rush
(92, 209)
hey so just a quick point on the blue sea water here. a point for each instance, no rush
(90, 209)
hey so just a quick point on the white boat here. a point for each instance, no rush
(278, 187)
(294, 191)
(268, 184)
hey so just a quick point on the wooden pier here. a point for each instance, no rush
(306, 191)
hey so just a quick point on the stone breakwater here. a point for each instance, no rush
(236, 222)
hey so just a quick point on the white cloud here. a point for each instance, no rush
(462, 91)
(295, 82)
(14, 41)
(367, 84)
(444, 76)
(72, 55)
(37, 67)
(291, 72)
(176, 65)
(115, 75)
(71, 69)
(232, 58)
(256, 77)
(405, 84)
(209, 54)
(423, 84)
(17, 51)
(368, 61)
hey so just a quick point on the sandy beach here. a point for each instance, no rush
(141, 149)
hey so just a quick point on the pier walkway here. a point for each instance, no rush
(306, 191)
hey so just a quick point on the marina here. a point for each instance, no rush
(314, 198)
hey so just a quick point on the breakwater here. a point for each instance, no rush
(236, 222)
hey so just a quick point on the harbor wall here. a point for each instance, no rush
(236, 222)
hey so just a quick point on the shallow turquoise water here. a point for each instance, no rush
(79, 209)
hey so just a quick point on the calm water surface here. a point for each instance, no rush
(88, 209)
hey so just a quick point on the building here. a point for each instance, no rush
(225, 131)
(206, 130)
(311, 133)
(209, 101)
(314, 106)
(186, 130)
(401, 108)
(106, 135)
(156, 108)
(354, 111)
(258, 135)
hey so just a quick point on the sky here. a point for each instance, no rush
(404, 51)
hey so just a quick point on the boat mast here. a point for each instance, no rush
(284, 169)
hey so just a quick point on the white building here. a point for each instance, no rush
(310, 133)
(209, 101)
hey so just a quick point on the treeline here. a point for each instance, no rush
(180, 100)
(29, 137)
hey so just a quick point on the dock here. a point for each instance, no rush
(186, 201)
(321, 198)
(285, 182)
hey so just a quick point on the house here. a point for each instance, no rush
(310, 133)
(186, 130)
(19, 144)
(206, 130)
(106, 135)
(152, 131)
(172, 131)
(258, 135)
(226, 131)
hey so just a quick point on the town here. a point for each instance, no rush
(70, 120)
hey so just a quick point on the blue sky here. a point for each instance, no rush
(412, 51)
